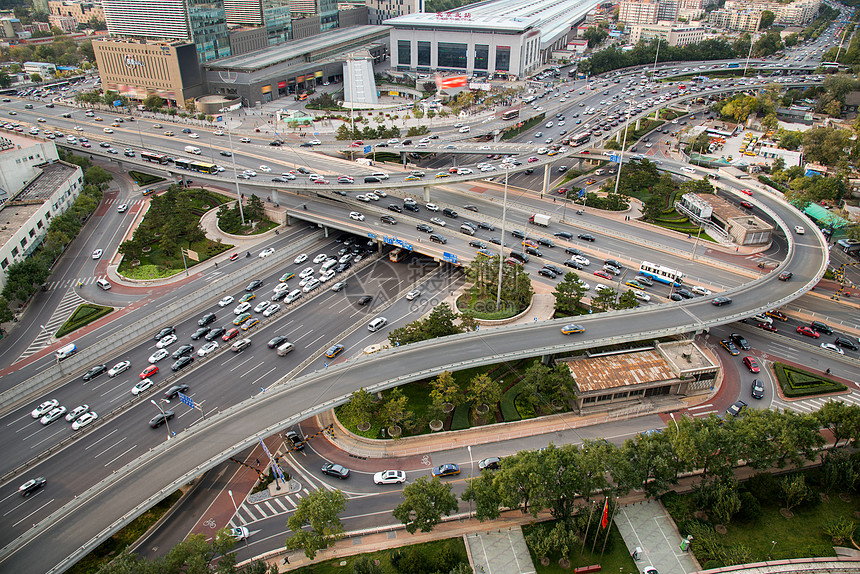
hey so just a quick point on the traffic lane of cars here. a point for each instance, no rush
(843, 341)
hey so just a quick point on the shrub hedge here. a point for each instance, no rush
(83, 315)
(796, 382)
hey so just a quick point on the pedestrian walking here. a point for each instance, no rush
(258, 461)
(286, 559)
(827, 372)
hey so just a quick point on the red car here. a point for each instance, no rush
(747, 204)
(234, 257)
(767, 327)
(747, 191)
(808, 331)
(230, 334)
(148, 372)
(604, 274)
(751, 364)
(562, 190)
(321, 181)
(358, 143)
(585, 151)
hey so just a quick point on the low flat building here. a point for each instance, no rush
(619, 378)
(34, 188)
(671, 33)
(736, 224)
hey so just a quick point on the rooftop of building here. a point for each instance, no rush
(13, 217)
(550, 16)
(17, 141)
(623, 370)
(142, 41)
(726, 211)
(296, 49)
(46, 183)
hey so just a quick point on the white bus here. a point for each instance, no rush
(661, 274)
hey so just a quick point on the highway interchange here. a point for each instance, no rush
(253, 368)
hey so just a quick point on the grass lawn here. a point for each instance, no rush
(145, 178)
(616, 558)
(113, 546)
(439, 555)
(83, 316)
(155, 265)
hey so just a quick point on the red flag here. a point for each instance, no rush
(452, 82)
(605, 519)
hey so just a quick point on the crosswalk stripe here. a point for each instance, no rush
(293, 504)
(279, 503)
(68, 303)
(269, 506)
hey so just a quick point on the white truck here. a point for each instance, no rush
(539, 219)
(66, 351)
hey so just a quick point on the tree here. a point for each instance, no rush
(653, 464)
(395, 409)
(445, 389)
(604, 300)
(793, 490)
(5, 79)
(627, 300)
(520, 481)
(35, 78)
(767, 18)
(595, 36)
(254, 208)
(726, 501)
(154, 102)
(484, 492)
(439, 323)
(568, 293)
(839, 418)
(424, 503)
(97, 176)
(360, 407)
(319, 511)
(483, 390)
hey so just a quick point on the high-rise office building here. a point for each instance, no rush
(202, 22)
(273, 14)
(632, 12)
(325, 9)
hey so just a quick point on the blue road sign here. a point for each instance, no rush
(117, 103)
(367, 149)
(219, 118)
(371, 236)
(187, 401)
(581, 193)
(615, 158)
(449, 257)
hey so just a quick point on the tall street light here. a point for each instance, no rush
(233, 156)
(502, 240)
(166, 424)
(624, 144)
(241, 520)
(471, 472)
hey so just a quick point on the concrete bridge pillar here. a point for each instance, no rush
(545, 187)
(618, 137)
(426, 193)
(638, 122)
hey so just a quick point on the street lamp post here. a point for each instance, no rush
(471, 472)
(623, 145)
(236, 508)
(166, 424)
(502, 240)
(235, 174)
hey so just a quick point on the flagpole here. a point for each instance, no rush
(603, 514)
(608, 527)
(588, 526)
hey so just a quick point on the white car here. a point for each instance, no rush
(226, 301)
(688, 170)
(241, 308)
(389, 477)
(271, 310)
(584, 261)
(193, 136)
(315, 142)
(641, 295)
(265, 168)
(379, 193)
(437, 221)
(166, 341)
(122, 208)
(799, 230)
(250, 173)
(266, 252)
(207, 348)
(44, 408)
(312, 284)
(362, 197)
(320, 258)
(280, 288)
(158, 355)
(219, 133)
(76, 412)
(306, 272)
(371, 196)
(141, 386)
(239, 533)
(106, 130)
(832, 347)
(261, 306)
(97, 253)
(301, 258)
(84, 420)
(120, 367)
(327, 276)
(432, 207)
(52, 415)
(413, 294)
(245, 140)
(699, 290)
(356, 216)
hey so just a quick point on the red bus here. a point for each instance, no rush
(511, 114)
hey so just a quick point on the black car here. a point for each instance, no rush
(201, 332)
(335, 470)
(276, 143)
(572, 250)
(573, 263)
(424, 227)
(586, 237)
(160, 419)
(388, 219)
(215, 333)
(720, 301)
(436, 238)
(276, 341)
(554, 268)
(306, 144)
(739, 340)
(206, 319)
(471, 208)
(736, 408)
(614, 263)
(845, 342)
(164, 332)
(341, 267)
(255, 284)
(174, 391)
(411, 207)
(297, 441)
(395, 208)
(685, 293)
(757, 389)
(183, 351)
(518, 234)
(532, 251)
(182, 362)
(487, 226)
(448, 212)
(95, 372)
(674, 296)
(365, 299)
(497, 241)
(547, 273)
(477, 243)
(545, 241)
(529, 171)
(32, 486)
(303, 170)
(493, 462)
(821, 327)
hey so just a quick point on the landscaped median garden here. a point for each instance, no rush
(796, 382)
(171, 226)
(83, 316)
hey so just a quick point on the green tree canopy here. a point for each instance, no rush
(315, 523)
(424, 504)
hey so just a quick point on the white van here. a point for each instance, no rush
(294, 295)
(327, 264)
(285, 348)
(192, 149)
(598, 172)
(465, 129)
(66, 352)
(103, 283)
(377, 324)
(379, 174)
